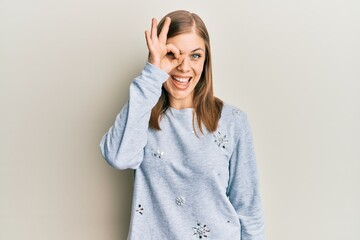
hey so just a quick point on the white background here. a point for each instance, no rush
(65, 69)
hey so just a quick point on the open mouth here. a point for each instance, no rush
(181, 82)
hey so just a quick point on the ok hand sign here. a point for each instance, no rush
(159, 49)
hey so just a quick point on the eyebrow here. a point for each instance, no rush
(198, 49)
(194, 50)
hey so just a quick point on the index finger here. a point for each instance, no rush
(165, 30)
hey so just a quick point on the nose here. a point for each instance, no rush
(184, 66)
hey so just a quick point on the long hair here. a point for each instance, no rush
(207, 107)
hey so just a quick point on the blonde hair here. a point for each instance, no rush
(207, 107)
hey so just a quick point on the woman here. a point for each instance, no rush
(193, 155)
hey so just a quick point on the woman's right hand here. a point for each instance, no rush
(165, 56)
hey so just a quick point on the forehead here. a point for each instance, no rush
(187, 42)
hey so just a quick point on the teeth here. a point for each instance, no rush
(183, 80)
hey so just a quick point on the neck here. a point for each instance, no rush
(181, 104)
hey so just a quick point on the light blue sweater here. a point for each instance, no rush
(186, 186)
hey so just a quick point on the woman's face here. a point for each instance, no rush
(183, 78)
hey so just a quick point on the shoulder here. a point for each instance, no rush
(233, 125)
(234, 120)
(232, 113)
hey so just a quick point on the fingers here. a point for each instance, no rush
(148, 40)
(152, 38)
(177, 61)
(165, 30)
(154, 29)
(171, 48)
(178, 57)
(159, 50)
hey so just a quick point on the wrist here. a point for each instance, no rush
(154, 62)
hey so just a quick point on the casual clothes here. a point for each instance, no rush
(188, 185)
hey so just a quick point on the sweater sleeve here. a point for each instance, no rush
(243, 189)
(123, 145)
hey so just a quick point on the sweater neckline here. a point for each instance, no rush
(181, 112)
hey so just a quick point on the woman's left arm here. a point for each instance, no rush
(243, 189)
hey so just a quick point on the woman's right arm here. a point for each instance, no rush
(123, 145)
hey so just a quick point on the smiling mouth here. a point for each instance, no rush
(181, 82)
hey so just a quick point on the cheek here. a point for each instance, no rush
(198, 69)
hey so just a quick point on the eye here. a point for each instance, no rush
(170, 55)
(195, 56)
